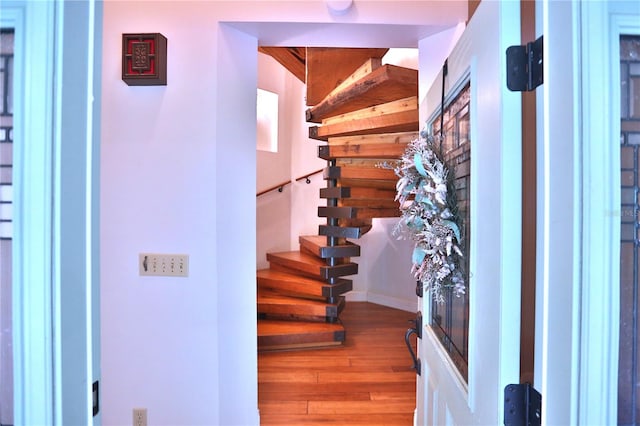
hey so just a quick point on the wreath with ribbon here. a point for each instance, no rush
(429, 216)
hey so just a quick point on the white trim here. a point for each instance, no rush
(32, 280)
(381, 299)
(56, 286)
(471, 384)
(559, 214)
(356, 296)
(601, 28)
(392, 302)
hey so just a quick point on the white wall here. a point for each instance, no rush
(178, 175)
(159, 190)
(273, 209)
(283, 216)
(384, 268)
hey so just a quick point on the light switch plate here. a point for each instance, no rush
(168, 265)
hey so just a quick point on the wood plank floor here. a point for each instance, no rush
(366, 381)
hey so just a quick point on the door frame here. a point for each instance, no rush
(577, 308)
(602, 24)
(55, 245)
(32, 224)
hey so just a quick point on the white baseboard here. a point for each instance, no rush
(357, 296)
(381, 299)
(393, 302)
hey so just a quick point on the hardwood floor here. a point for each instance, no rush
(366, 381)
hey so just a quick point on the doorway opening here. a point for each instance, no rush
(298, 199)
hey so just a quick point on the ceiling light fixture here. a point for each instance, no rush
(339, 7)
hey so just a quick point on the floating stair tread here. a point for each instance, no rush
(363, 193)
(365, 69)
(379, 150)
(327, 67)
(292, 58)
(270, 302)
(307, 263)
(372, 213)
(368, 168)
(371, 203)
(296, 257)
(318, 245)
(400, 105)
(297, 285)
(402, 138)
(279, 335)
(403, 121)
(369, 183)
(365, 168)
(384, 84)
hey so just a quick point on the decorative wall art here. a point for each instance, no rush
(144, 59)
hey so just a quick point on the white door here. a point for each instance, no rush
(444, 395)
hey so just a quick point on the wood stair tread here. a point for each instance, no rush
(275, 298)
(382, 151)
(298, 285)
(371, 203)
(279, 335)
(362, 193)
(309, 264)
(317, 244)
(369, 183)
(384, 84)
(397, 116)
(296, 256)
(402, 138)
(272, 303)
(360, 169)
(327, 67)
(373, 212)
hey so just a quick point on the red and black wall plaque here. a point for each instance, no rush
(144, 59)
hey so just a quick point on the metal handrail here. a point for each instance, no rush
(280, 186)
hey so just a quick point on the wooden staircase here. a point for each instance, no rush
(366, 116)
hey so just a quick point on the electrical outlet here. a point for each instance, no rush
(169, 265)
(139, 417)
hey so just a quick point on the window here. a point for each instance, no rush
(450, 320)
(628, 375)
(267, 126)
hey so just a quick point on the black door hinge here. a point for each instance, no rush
(95, 397)
(522, 405)
(419, 289)
(525, 66)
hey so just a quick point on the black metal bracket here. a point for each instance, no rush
(417, 330)
(95, 397)
(419, 289)
(522, 405)
(525, 66)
